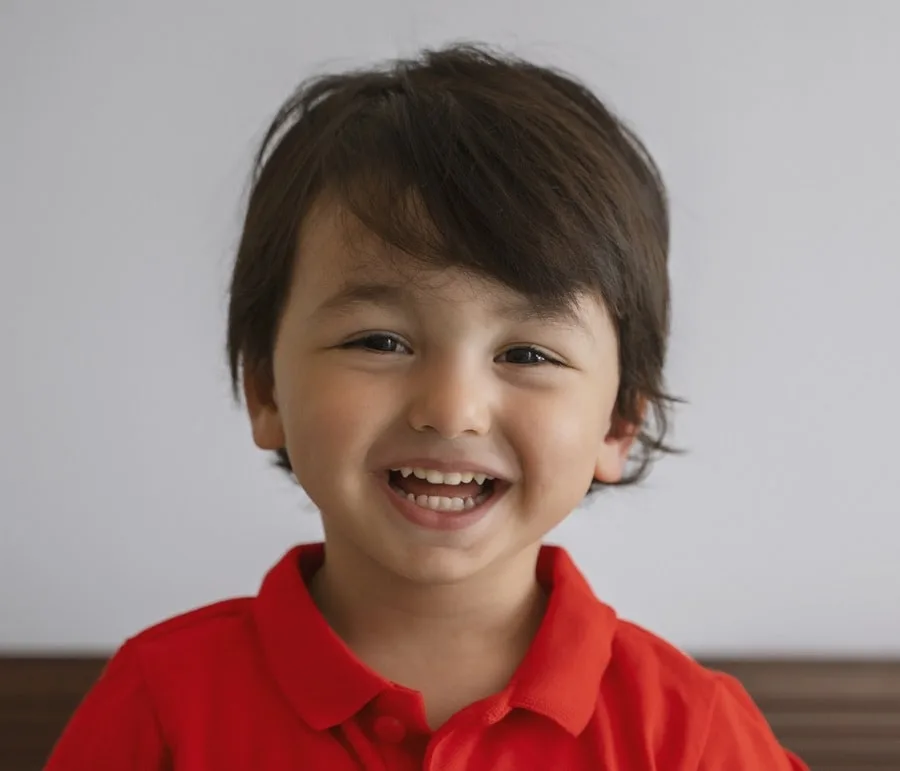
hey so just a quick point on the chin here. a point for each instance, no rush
(433, 565)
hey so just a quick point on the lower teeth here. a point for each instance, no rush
(441, 503)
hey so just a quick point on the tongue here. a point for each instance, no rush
(417, 487)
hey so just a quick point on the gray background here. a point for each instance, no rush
(129, 487)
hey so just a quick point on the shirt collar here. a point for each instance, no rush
(326, 684)
(318, 673)
(561, 673)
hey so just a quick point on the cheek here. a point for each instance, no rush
(326, 417)
(563, 438)
(563, 434)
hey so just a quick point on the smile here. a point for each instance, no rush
(444, 500)
(437, 506)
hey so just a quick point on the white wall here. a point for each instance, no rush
(129, 487)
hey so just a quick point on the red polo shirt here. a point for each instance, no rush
(264, 684)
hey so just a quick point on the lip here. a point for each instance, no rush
(447, 466)
(440, 520)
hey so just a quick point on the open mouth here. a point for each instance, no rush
(465, 495)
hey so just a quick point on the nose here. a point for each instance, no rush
(451, 399)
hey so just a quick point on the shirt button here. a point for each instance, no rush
(389, 729)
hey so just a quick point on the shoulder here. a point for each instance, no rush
(224, 619)
(707, 715)
(645, 659)
(182, 660)
(156, 678)
(194, 640)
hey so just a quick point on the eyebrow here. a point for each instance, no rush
(354, 294)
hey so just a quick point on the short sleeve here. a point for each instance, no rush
(115, 726)
(739, 738)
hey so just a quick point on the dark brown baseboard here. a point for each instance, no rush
(837, 715)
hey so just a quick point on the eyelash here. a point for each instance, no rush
(362, 341)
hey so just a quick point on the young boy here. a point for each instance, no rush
(448, 317)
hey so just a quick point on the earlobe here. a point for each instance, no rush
(614, 451)
(611, 460)
(262, 408)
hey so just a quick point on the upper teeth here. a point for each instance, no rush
(442, 478)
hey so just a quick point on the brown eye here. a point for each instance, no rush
(377, 343)
(526, 355)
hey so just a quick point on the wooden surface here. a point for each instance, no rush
(837, 715)
(37, 696)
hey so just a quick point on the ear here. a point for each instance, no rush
(262, 406)
(614, 449)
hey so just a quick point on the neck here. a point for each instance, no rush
(376, 612)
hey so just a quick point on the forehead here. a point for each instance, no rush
(343, 266)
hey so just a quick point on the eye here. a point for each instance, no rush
(528, 355)
(377, 343)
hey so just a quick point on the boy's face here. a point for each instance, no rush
(433, 367)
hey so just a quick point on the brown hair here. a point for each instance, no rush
(524, 176)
